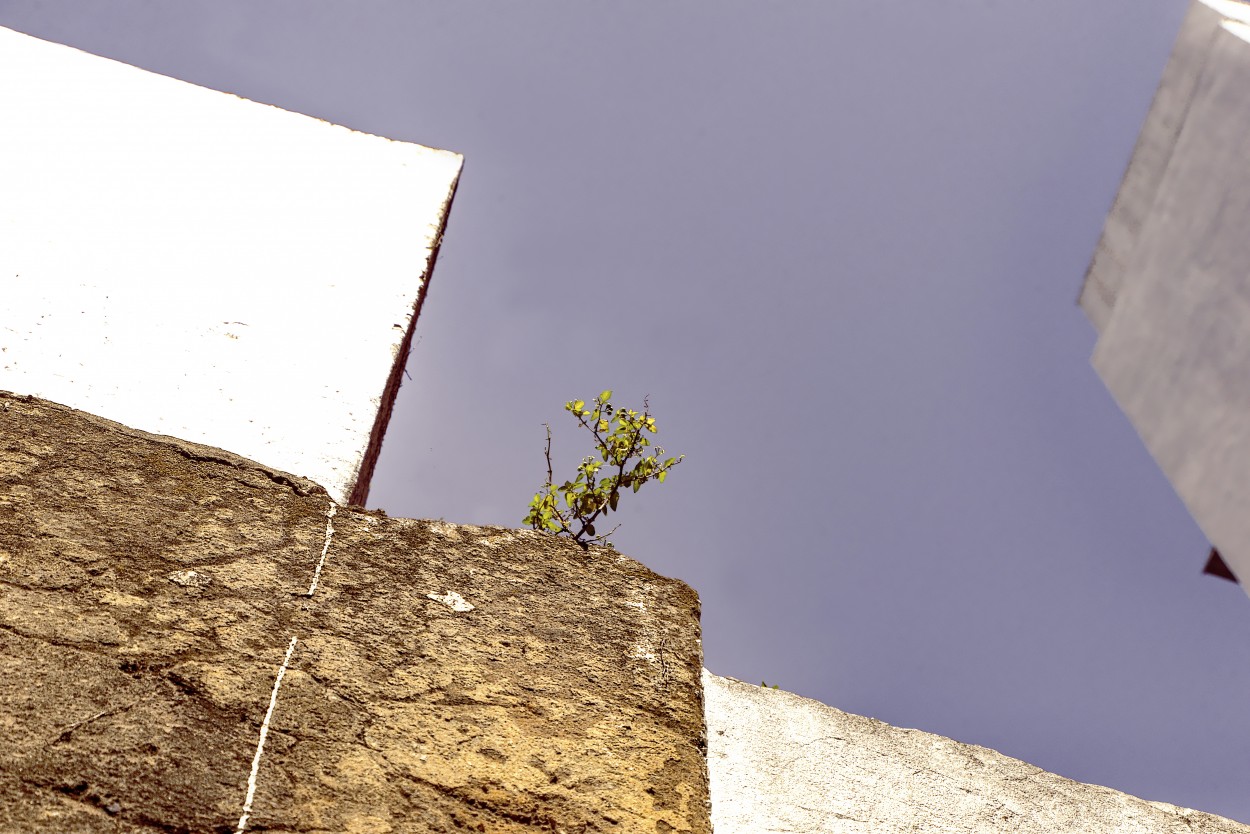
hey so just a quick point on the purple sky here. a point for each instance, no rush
(839, 245)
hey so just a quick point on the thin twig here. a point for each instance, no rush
(549, 475)
(65, 734)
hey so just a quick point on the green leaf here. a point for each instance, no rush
(621, 443)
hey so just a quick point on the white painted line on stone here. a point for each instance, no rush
(260, 745)
(325, 548)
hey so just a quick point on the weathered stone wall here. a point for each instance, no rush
(438, 677)
(782, 763)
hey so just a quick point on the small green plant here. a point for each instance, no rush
(621, 444)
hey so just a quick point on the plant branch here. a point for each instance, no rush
(591, 496)
(550, 477)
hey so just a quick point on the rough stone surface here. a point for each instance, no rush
(444, 677)
(782, 763)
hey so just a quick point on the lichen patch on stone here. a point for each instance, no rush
(452, 600)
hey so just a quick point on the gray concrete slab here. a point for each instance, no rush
(1175, 351)
(1155, 145)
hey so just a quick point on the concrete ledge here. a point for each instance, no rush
(781, 763)
(164, 607)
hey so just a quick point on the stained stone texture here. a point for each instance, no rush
(443, 678)
(782, 763)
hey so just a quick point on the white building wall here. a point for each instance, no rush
(1169, 288)
(191, 263)
(1151, 155)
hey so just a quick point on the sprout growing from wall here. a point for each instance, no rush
(622, 462)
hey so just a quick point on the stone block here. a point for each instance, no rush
(782, 763)
(1173, 350)
(434, 677)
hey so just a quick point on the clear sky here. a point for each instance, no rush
(839, 246)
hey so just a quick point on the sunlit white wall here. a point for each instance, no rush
(191, 263)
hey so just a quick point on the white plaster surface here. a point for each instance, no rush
(191, 263)
(1174, 345)
(1235, 10)
(1152, 154)
(781, 763)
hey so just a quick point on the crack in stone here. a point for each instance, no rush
(65, 734)
(303, 490)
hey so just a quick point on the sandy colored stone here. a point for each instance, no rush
(444, 677)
